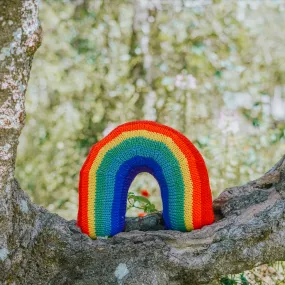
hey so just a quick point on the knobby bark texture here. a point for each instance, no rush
(38, 247)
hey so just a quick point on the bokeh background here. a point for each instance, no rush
(214, 70)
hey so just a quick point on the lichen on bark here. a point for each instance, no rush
(19, 35)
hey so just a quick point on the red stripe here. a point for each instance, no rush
(204, 199)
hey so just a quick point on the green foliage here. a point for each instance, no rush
(141, 203)
(243, 280)
(234, 280)
(228, 281)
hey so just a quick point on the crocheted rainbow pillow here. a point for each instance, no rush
(143, 146)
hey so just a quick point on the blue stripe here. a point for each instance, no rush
(126, 174)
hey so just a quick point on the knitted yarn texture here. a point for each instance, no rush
(143, 146)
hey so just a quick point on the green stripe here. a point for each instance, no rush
(111, 163)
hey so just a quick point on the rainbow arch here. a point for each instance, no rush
(143, 146)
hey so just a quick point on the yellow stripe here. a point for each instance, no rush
(188, 186)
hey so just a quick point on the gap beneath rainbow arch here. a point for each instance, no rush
(124, 178)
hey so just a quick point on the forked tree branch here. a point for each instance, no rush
(38, 247)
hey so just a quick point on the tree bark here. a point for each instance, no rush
(38, 247)
(19, 39)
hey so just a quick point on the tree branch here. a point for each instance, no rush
(38, 247)
(250, 233)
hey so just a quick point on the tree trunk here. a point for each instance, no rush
(37, 247)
